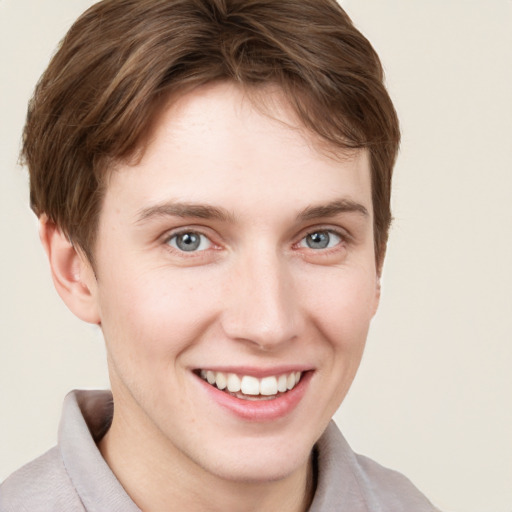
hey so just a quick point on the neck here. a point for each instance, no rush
(158, 476)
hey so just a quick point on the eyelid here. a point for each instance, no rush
(181, 230)
(201, 237)
(342, 233)
(199, 230)
(331, 232)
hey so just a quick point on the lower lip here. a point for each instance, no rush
(259, 410)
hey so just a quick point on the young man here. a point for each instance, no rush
(212, 179)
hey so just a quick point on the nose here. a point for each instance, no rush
(261, 305)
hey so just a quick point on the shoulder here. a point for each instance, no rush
(391, 489)
(41, 485)
(347, 481)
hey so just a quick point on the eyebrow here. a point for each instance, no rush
(173, 209)
(331, 209)
(204, 211)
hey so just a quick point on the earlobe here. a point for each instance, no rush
(72, 274)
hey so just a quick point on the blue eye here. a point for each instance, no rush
(320, 240)
(189, 241)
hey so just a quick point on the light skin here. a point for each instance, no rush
(279, 276)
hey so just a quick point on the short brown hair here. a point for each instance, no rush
(96, 102)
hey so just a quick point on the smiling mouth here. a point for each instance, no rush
(248, 387)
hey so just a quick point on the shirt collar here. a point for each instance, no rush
(338, 484)
(87, 416)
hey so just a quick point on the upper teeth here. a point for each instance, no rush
(250, 385)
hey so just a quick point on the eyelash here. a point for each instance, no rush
(341, 235)
(330, 232)
(201, 241)
(174, 249)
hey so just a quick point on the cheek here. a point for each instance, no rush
(344, 307)
(154, 315)
(343, 316)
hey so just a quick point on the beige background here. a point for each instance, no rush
(434, 394)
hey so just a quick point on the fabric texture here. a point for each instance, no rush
(74, 477)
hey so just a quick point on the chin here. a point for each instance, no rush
(255, 473)
(263, 463)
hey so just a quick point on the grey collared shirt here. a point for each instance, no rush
(74, 477)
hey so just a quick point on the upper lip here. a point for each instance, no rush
(257, 372)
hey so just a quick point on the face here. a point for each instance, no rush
(236, 281)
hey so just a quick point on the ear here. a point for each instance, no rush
(379, 263)
(72, 273)
(377, 296)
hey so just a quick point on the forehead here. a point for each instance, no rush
(224, 144)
